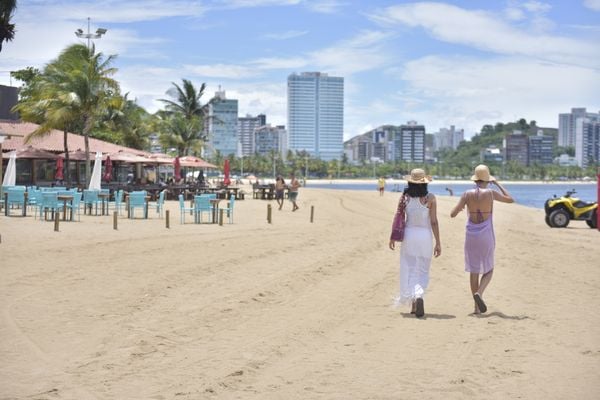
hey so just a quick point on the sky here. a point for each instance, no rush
(465, 63)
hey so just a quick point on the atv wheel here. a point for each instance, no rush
(547, 219)
(593, 221)
(559, 218)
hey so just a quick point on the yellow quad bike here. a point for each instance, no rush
(561, 210)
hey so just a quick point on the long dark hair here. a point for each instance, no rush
(416, 189)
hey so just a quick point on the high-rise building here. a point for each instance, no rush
(316, 114)
(567, 123)
(541, 149)
(8, 99)
(587, 144)
(246, 128)
(516, 148)
(222, 124)
(271, 139)
(409, 143)
(448, 138)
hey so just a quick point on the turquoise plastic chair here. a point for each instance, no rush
(15, 197)
(90, 199)
(183, 209)
(229, 208)
(137, 200)
(49, 203)
(202, 205)
(159, 204)
(118, 203)
(75, 205)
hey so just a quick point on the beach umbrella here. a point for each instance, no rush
(10, 176)
(226, 180)
(58, 175)
(177, 174)
(107, 169)
(95, 181)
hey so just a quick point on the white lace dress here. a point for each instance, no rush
(415, 253)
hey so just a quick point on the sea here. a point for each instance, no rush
(528, 194)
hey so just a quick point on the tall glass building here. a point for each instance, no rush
(222, 125)
(316, 114)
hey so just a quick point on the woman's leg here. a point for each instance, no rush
(474, 281)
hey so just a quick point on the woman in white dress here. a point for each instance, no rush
(416, 250)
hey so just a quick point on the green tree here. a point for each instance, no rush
(7, 28)
(184, 117)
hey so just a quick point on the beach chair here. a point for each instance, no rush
(117, 204)
(202, 205)
(49, 203)
(229, 208)
(159, 204)
(90, 199)
(137, 200)
(15, 197)
(183, 209)
(75, 205)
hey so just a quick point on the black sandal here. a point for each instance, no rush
(420, 308)
(479, 301)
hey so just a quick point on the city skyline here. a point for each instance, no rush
(458, 62)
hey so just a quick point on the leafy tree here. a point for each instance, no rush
(7, 28)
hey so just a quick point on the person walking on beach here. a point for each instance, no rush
(381, 185)
(279, 190)
(416, 250)
(480, 241)
(293, 191)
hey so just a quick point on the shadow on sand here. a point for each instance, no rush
(429, 316)
(500, 315)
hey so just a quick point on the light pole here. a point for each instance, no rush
(99, 32)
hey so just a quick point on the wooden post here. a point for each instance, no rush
(221, 217)
(269, 213)
(312, 213)
(56, 220)
(115, 220)
(167, 219)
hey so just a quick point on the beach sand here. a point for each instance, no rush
(293, 309)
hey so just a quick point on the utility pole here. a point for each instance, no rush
(99, 32)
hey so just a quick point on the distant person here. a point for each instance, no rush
(417, 247)
(293, 191)
(381, 185)
(279, 190)
(201, 179)
(450, 191)
(480, 241)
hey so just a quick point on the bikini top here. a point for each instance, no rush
(479, 213)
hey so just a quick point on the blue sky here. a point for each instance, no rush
(464, 63)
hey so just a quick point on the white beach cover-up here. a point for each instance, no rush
(416, 252)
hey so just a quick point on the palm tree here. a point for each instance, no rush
(7, 29)
(71, 94)
(183, 117)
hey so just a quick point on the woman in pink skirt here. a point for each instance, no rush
(480, 241)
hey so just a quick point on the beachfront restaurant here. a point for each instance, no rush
(38, 161)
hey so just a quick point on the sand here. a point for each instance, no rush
(293, 309)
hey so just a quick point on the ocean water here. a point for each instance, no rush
(530, 195)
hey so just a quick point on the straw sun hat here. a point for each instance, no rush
(482, 173)
(417, 175)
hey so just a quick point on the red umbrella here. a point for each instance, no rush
(177, 176)
(226, 180)
(107, 170)
(59, 176)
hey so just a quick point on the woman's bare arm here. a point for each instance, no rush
(437, 250)
(460, 206)
(503, 195)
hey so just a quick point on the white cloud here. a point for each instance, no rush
(592, 4)
(116, 11)
(485, 31)
(470, 93)
(226, 71)
(268, 63)
(285, 35)
(324, 6)
(256, 3)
